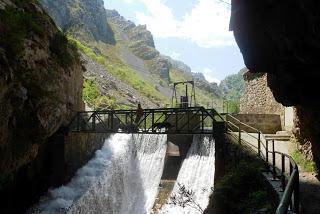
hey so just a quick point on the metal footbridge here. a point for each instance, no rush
(190, 120)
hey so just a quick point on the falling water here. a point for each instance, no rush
(196, 176)
(122, 178)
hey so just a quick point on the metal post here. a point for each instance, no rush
(202, 122)
(176, 117)
(273, 161)
(152, 120)
(267, 151)
(93, 121)
(296, 192)
(259, 144)
(291, 171)
(111, 120)
(188, 121)
(239, 133)
(283, 178)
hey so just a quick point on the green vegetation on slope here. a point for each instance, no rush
(117, 67)
(300, 159)
(232, 87)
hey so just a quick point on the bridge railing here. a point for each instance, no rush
(193, 120)
(283, 167)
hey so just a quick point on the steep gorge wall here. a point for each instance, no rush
(41, 89)
(282, 38)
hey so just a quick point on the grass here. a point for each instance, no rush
(307, 165)
(117, 67)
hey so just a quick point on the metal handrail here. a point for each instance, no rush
(291, 189)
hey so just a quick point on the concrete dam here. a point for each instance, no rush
(124, 177)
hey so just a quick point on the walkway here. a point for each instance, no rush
(309, 183)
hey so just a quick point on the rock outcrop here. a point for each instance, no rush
(40, 81)
(40, 91)
(282, 39)
(86, 20)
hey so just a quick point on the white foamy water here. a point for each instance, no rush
(122, 178)
(196, 175)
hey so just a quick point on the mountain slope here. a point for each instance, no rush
(131, 58)
(232, 87)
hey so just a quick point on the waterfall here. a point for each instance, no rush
(122, 178)
(196, 176)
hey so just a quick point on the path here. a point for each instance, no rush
(309, 183)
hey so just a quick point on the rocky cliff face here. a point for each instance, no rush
(86, 20)
(282, 39)
(40, 81)
(141, 43)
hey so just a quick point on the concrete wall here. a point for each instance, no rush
(267, 123)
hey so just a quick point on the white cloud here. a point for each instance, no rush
(174, 55)
(128, 1)
(210, 75)
(206, 25)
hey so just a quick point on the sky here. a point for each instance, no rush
(195, 32)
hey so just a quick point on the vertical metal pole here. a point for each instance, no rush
(176, 117)
(291, 170)
(202, 122)
(239, 133)
(111, 120)
(145, 122)
(267, 151)
(259, 144)
(273, 161)
(188, 121)
(283, 178)
(296, 193)
(152, 120)
(93, 123)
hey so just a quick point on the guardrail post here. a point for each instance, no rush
(283, 178)
(273, 161)
(267, 151)
(239, 133)
(291, 171)
(296, 193)
(152, 121)
(111, 120)
(93, 121)
(259, 144)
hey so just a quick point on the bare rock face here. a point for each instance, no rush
(84, 19)
(282, 38)
(40, 80)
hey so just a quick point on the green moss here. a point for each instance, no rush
(300, 159)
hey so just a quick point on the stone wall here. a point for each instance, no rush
(258, 98)
(266, 123)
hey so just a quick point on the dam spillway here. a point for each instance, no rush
(125, 174)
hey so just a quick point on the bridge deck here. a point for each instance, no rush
(194, 120)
